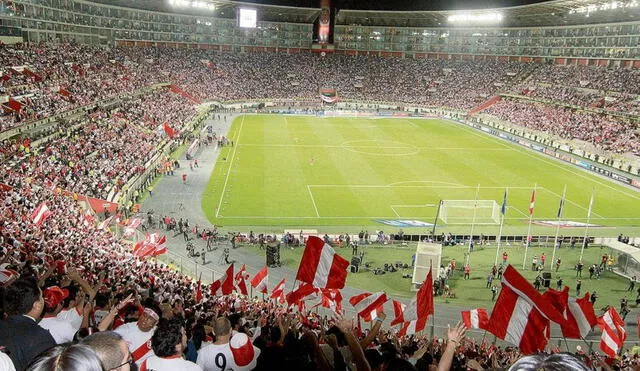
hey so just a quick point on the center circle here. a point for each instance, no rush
(380, 147)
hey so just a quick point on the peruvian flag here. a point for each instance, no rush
(278, 291)
(321, 266)
(398, 308)
(260, 280)
(224, 285)
(532, 203)
(40, 214)
(7, 274)
(613, 332)
(302, 292)
(476, 318)
(522, 315)
(414, 316)
(331, 299)
(578, 313)
(240, 278)
(198, 291)
(158, 243)
(368, 305)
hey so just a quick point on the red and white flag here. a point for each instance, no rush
(475, 318)
(368, 305)
(332, 299)
(260, 280)
(278, 291)
(240, 278)
(105, 223)
(302, 292)
(40, 214)
(613, 332)
(398, 308)
(158, 243)
(578, 313)
(415, 315)
(7, 274)
(321, 266)
(532, 203)
(521, 315)
(198, 292)
(224, 285)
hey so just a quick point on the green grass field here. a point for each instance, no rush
(341, 174)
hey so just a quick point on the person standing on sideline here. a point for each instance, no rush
(489, 280)
(632, 283)
(534, 263)
(558, 263)
(505, 256)
(578, 287)
(467, 271)
(579, 268)
(543, 259)
(184, 178)
(202, 254)
(559, 283)
(494, 292)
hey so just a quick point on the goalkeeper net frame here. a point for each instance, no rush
(470, 212)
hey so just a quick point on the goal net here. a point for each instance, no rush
(470, 211)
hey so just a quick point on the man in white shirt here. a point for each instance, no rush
(62, 330)
(169, 342)
(220, 355)
(138, 334)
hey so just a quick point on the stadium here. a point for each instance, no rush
(212, 185)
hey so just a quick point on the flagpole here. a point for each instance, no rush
(527, 244)
(555, 241)
(586, 227)
(503, 212)
(473, 224)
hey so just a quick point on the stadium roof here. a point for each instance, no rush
(551, 13)
(224, 9)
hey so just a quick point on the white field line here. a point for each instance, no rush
(423, 205)
(424, 181)
(553, 163)
(382, 217)
(313, 201)
(233, 156)
(401, 186)
(408, 146)
(394, 211)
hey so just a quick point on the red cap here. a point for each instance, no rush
(54, 295)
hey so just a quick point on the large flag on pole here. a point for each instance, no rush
(321, 266)
(503, 209)
(533, 202)
(414, 316)
(613, 332)
(475, 318)
(561, 206)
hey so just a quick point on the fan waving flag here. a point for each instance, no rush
(278, 291)
(321, 266)
(260, 280)
(579, 314)
(475, 318)
(368, 305)
(521, 315)
(613, 332)
(223, 286)
(240, 278)
(414, 316)
(40, 214)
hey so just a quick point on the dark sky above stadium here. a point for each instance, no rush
(403, 4)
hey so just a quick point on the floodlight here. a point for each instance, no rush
(490, 17)
(192, 4)
(247, 18)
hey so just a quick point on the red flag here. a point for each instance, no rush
(40, 214)
(260, 280)
(240, 278)
(321, 266)
(415, 315)
(613, 332)
(476, 318)
(398, 308)
(198, 292)
(302, 292)
(521, 314)
(532, 203)
(368, 305)
(169, 130)
(224, 285)
(7, 274)
(278, 291)
(579, 314)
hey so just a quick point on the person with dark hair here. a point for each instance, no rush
(73, 358)
(111, 349)
(169, 342)
(61, 330)
(137, 334)
(20, 333)
(551, 362)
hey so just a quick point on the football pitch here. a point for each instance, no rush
(344, 174)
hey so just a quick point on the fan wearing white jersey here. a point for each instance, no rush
(228, 353)
(169, 342)
(138, 334)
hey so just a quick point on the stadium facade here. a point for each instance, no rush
(579, 32)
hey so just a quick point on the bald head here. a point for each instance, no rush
(222, 327)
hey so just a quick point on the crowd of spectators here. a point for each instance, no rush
(607, 132)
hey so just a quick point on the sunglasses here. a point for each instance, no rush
(130, 362)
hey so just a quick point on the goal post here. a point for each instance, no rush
(470, 211)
